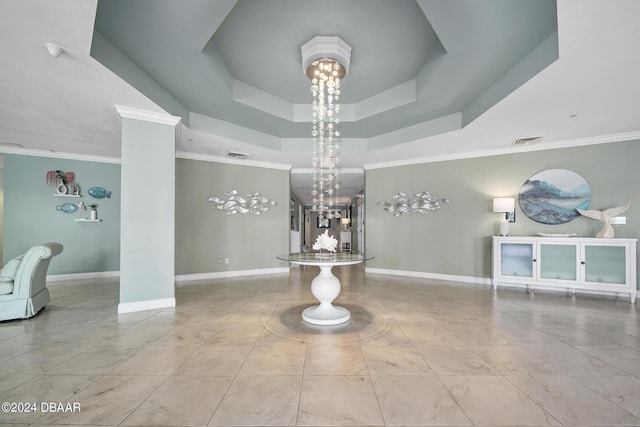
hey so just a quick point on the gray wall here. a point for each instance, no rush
(205, 234)
(456, 239)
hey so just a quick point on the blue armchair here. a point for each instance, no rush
(23, 282)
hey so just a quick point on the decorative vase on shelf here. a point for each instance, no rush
(61, 187)
(94, 214)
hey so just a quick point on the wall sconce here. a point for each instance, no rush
(345, 223)
(507, 206)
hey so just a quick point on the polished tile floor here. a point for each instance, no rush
(235, 352)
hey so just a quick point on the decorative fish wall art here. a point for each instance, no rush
(99, 193)
(67, 208)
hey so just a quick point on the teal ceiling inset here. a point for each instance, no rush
(415, 63)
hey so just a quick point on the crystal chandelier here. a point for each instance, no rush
(325, 61)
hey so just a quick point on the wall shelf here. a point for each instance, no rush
(66, 195)
(87, 220)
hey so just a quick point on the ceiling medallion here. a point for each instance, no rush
(325, 61)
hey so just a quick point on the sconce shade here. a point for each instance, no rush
(504, 204)
(345, 221)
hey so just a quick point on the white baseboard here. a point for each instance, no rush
(226, 274)
(130, 307)
(178, 278)
(82, 276)
(425, 275)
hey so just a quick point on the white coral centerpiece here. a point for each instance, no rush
(324, 241)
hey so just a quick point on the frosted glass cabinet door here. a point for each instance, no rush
(580, 264)
(558, 261)
(516, 259)
(605, 264)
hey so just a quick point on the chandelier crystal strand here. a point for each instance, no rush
(325, 87)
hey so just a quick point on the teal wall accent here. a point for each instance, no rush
(147, 235)
(110, 56)
(455, 240)
(30, 215)
(205, 234)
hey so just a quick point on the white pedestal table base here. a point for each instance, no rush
(325, 287)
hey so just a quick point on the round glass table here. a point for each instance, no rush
(325, 287)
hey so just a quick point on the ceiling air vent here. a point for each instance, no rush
(237, 155)
(527, 141)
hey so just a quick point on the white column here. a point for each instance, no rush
(147, 233)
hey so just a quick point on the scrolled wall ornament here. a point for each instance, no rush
(254, 203)
(422, 203)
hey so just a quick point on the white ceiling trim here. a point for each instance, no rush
(59, 155)
(309, 171)
(227, 160)
(115, 160)
(606, 139)
(147, 116)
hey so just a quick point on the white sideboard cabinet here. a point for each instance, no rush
(575, 263)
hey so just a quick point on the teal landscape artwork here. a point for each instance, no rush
(554, 196)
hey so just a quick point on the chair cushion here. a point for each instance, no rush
(6, 286)
(11, 269)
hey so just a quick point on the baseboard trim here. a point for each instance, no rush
(178, 278)
(130, 307)
(227, 274)
(425, 275)
(82, 276)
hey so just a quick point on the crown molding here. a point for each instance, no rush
(219, 159)
(59, 155)
(309, 171)
(579, 142)
(147, 116)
